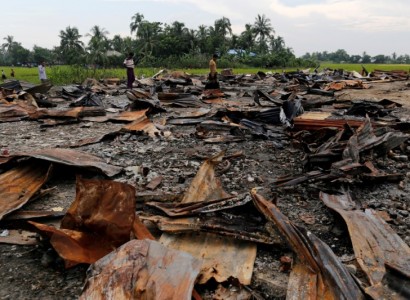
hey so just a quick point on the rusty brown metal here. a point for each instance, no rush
(104, 207)
(100, 219)
(140, 231)
(316, 121)
(20, 184)
(73, 246)
(332, 281)
(70, 157)
(12, 113)
(233, 228)
(374, 242)
(142, 123)
(194, 208)
(223, 257)
(142, 270)
(206, 186)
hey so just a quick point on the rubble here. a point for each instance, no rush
(156, 200)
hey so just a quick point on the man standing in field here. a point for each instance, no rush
(42, 72)
(129, 64)
(213, 74)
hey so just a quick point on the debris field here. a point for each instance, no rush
(275, 186)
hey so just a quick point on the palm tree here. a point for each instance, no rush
(262, 29)
(9, 43)
(247, 40)
(148, 33)
(98, 45)
(117, 43)
(223, 26)
(201, 36)
(70, 45)
(277, 43)
(136, 21)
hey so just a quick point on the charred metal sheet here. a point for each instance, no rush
(333, 281)
(20, 184)
(100, 219)
(181, 100)
(304, 284)
(365, 139)
(312, 176)
(73, 113)
(142, 270)
(192, 113)
(186, 121)
(227, 225)
(94, 140)
(374, 241)
(143, 100)
(377, 175)
(223, 257)
(31, 215)
(193, 208)
(259, 93)
(12, 113)
(144, 124)
(315, 121)
(206, 186)
(88, 99)
(73, 246)
(140, 231)
(103, 206)
(71, 157)
(340, 85)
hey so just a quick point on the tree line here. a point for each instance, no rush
(175, 45)
(341, 56)
(162, 45)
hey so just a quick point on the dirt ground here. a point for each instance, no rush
(34, 272)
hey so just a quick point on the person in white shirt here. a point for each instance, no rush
(129, 64)
(42, 72)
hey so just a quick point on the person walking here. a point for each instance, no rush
(42, 72)
(3, 75)
(129, 65)
(12, 73)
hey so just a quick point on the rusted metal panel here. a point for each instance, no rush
(374, 241)
(20, 184)
(105, 207)
(303, 283)
(333, 279)
(100, 219)
(75, 247)
(235, 228)
(193, 208)
(223, 257)
(142, 123)
(142, 270)
(71, 157)
(12, 113)
(206, 186)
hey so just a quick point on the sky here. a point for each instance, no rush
(374, 26)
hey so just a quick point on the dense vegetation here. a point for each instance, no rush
(176, 46)
(163, 45)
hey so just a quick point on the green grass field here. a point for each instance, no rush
(65, 74)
